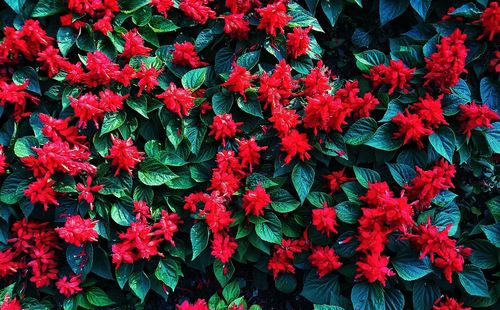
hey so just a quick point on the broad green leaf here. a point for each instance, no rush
(112, 121)
(402, 174)
(139, 284)
(80, 258)
(48, 7)
(153, 173)
(65, 39)
(361, 131)
(249, 60)
(320, 290)
(473, 281)
(332, 10)
(27, 74)
(270, 231)
(390, 9)
(303, 179)
(282, 201)
(199, 238)
(97, 297)
(410, 267)
(421, 7)
(193, 79)
(383, 138)
(367, 59)
(443, 142)
(24, 146)
(160, 24)
(368, 296)
(492, 232)
(366, 176)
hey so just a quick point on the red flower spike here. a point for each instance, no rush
(224, 127)
(134, 45)
(490, 19)
(411, 127)
(248, 152)
(297, 43)
(124, 155)
(41, 191)
(473, 115)
(185, 55)
(284, 120)
(239, 80)
(236, 26)
(177, 100)
(325, 220)
(317, 81)
(162, 6)
(141, 210)
(254, 201)
(167, 226)
(18, 97)
(374, 268)
(199, 304)
(273, 17)
(325, 112)
(223, 247)
(69, 286)
(449, 304)
(430, 111)
(4, 164)
(77, 230)
(324, 260)
(10, 304)
(396, 75)
(337, 178)
(295, 143)
(197, 10)
(86, 191)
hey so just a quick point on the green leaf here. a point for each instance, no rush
(121, 215)
(320, 290)
(65, 39)
(492, 136)
(223, 272)
(484, 254)
(490, 93)
(283, 201)
(130, 6)
(469, 10)
(24, 146)
(138, 104)
(231, 292)
(402, 174)
(361, 131)
(251, 105)
(421, 7)
(222, 103)
(492, 232)
(168, 272)
(159, 24)
(193, 79)
(27, 74)
(97, 297)
(224, 60)
(112, 121)
(153, 173)
(286, 283)
(17, 6)
(270, 231)
(494, 207)
(394, 299)
(425, 294)
(12, 188)
(80, 258)
(332, 10)
(249, 60)
(367, 59)
(348, 212)
(443, 142)
(47, 8)
(368, 296)
(473, 281)
(383, 140)
(390, 9)
(365, 176)
(302, 18)
(139, 284)
(199, 238)
(318, 199)
(410, 267)
(123, 273)
(303, 179)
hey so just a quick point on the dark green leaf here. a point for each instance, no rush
(47, 8)
(361, 131)
(410, 267)
(365, 176)
(368, 296)
(153, 173)
(303, 179)
(443, 142)
(270, 231)
(390, 9)
(97, 297)
(199, 238)
(139, 284)
(473, 281)
(113, 121)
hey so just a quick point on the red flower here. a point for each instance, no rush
(236, 26)
(360, 106)
(325, 260)
(317, 81)
(87, 108)
(15, 95)
(4, 164)
(177, 100)
(110, 101)
(396, 75)
(337, 178)
(223, 247)
(241, 6)
(227, 162)
(41, 191)
(167, 226)
(428, 183)
(411, 127)
(445, 66)
(223, 182)
(495, 62)
(8, 262)
(86, 191)
(297, 42)
(325, 112)
(200, 304)
(101, 70)
(185, 55)
(248, 152)
(284, 120)
(430, 111)
(374, 268)
(282, 259)
(162, 6)
(324, 220)
(254, 201)
(273, 17)
(224, 127)
(134, 45)
(278, 87)
(148, 79)
(69, 287)
(377, 194)
(141, 210)
(52, 61)
(124, 155)
(197, 10)
(59, 131)
(10, 304)
(448, 304)
(218, 218)
(295, 143)
(491, 21)
(239, 80)
(77, 230)
(473, 115)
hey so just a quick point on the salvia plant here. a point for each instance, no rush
(249, 154)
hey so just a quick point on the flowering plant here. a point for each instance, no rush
(336, 153)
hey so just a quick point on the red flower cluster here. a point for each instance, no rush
(442, 250)
(236, 26)
(101, 11)
(185, 55)
(18, 97)
(359, 106)
(59, 131)
(396, 75)
(276, 89)
(89, 107)
(295, 143)
(41, 191)
(325, 220)
(239, 80)
(77, 230)
(325, 260)
(69, 286)
(223, 247)
(273, 17)
(86, 191)
(449, 304)
(162, 6)
(428, 183)
(325, 112)
(473, 115)
(336, 179)
(224, 127)
(490, 19)
(317, 81)
(297, 43)
(124, 155)
(255, 200)
(199, 304)
(177, 100)
(10, 304)
(445, 66)
(134, 45)
(197, 10)
(248, 152)
(141, 239)
(411, 127)
(282, 259)
(3, 161)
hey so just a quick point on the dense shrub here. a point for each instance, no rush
(244, 154)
